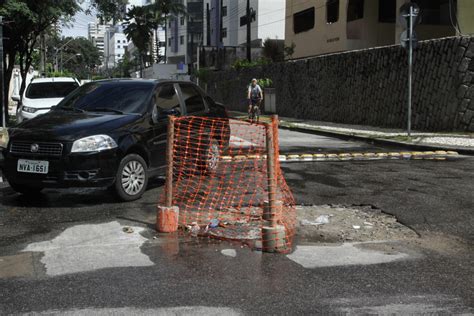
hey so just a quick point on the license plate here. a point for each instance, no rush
(32, 166)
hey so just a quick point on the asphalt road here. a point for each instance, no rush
(65, 251)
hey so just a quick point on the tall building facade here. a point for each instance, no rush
(226, 21)
(98, 34)
(185, 34)
(326, 26)
(117, 44)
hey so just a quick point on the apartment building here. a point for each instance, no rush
(226, 21)
(97, 35)
(326, 26)
(117, 46)
(185, 34)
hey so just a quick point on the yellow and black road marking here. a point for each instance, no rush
(360, 156)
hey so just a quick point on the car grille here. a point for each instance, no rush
(44, 149)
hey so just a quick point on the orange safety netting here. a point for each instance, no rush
(222, 181)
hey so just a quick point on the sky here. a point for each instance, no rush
(78, 26)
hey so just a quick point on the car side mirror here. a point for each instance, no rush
(16, 98)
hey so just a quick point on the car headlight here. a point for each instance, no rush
(3, 137)
(28, 109)
(93, 143)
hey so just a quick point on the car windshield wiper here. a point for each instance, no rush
(70, 109)
(106, 110)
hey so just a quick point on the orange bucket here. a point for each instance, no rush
(167, 219)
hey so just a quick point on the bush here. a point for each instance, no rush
(244, 63)
(265, 83)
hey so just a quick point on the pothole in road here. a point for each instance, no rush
(337, 223)
(335, 235)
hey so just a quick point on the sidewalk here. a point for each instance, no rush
(463, 143)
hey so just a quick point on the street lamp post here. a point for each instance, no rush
(56, 55)
(74, 56)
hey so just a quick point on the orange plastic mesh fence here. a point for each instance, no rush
(221, 182)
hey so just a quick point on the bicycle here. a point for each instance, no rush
(254, 113)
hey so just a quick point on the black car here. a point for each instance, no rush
(109, 133)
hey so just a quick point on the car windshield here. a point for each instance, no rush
(43, 90)
(114, 97)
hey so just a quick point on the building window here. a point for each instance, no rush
(181, 20)
(355, 10)
(181, 40)
(436, 12)
(118, 41)
(387, 11)
(224, 11)
(118, 55)
(169, 41)
(303, 20)
(224, 32)
(332, 11)
(118, 46)
(124, 41)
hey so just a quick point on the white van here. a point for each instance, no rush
(43, 93)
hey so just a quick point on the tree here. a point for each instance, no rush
(162, 10)
(139, 25)
(26, 20)
(80, 56)
(274, 49)
(123, 68)
(108, 10)
(290, 50)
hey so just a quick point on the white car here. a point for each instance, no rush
(43, 93)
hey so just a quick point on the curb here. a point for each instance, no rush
(365, 156)
(380, 141)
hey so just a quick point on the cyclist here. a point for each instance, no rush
(254, 95)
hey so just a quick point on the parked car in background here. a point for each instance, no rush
(109, 133)
(43, 93)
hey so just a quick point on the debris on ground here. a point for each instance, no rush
(229, 252)
(321, 220)
(349, 223)
(127, 230)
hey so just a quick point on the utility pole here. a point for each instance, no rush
(409, 17)
(249, 55)
(410, 69)
(3, 97)
(106, 48)
(42, 54)
(208, 24)
(221, 23)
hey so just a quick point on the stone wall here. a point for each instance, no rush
(369, 86)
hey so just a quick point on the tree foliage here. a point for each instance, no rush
(274, 49)
(108, 10)
(139, 25)
(80, 57)
(25, 20)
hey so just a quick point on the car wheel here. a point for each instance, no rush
(212, 156)
(132, 178)
(25, 189)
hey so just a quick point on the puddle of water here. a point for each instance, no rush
(229, 252)
(91, 247)
(402, 305)
(341, 255)
(20, 265)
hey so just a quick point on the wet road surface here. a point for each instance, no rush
(62, 252)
